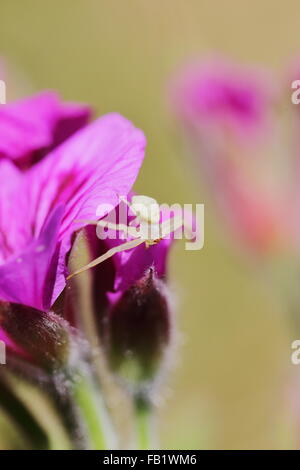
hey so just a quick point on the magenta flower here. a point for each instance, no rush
(227, 112)
(38, 207)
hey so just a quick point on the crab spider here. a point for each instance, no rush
(147, 212)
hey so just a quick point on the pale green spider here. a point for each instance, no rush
(147, 212)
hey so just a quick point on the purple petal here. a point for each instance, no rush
(132, 265)
(28, 279)
(28, 128)
(15, 231)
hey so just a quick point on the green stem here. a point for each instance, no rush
(90, 404)
(82, 410)
(144, 427)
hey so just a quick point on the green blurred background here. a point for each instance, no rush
(226, 390)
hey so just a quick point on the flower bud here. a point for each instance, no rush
(44, 337)
(138, 330)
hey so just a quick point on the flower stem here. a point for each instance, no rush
(143, 409)
(88, 399)
(82, 410)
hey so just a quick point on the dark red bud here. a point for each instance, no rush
(44, 337)
(138, 330)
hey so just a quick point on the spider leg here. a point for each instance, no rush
(131, 231)
(117, 249)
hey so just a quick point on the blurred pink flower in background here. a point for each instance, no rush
(243, 131)
(229, 116)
